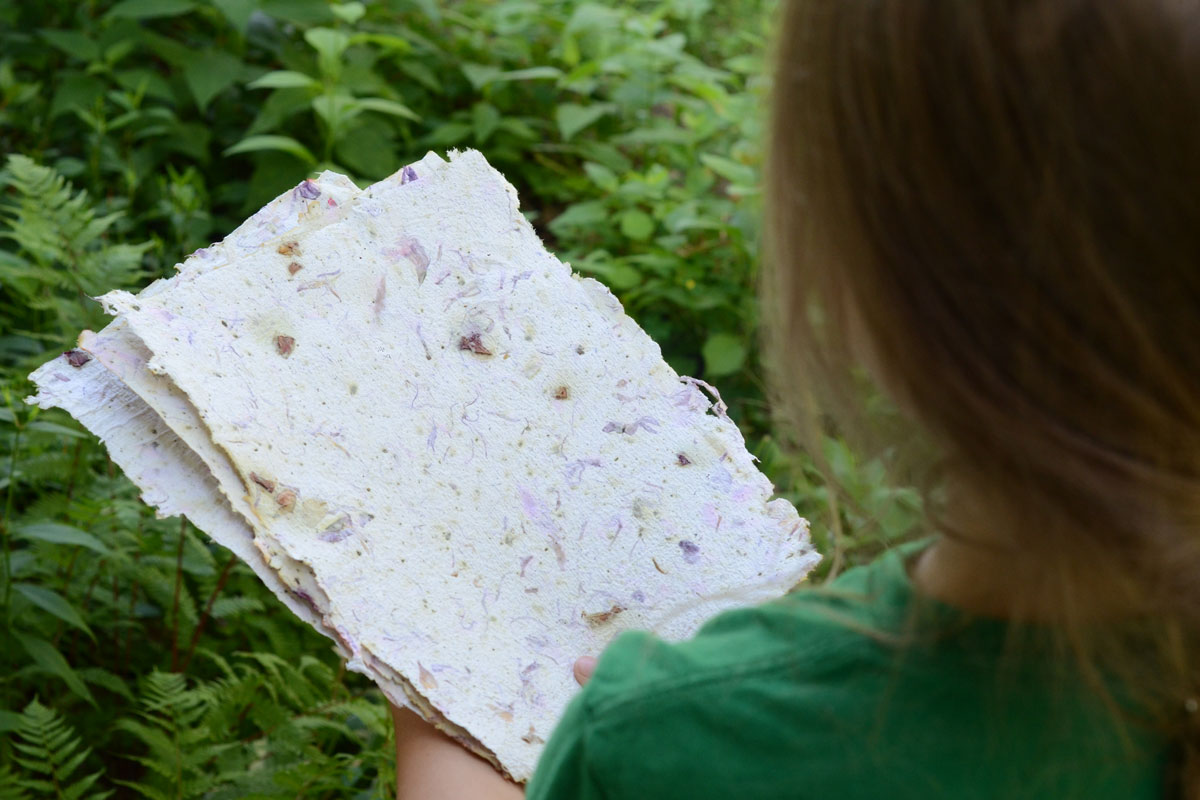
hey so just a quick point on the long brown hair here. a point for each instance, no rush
(998, 201)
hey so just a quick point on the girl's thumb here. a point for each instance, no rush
(584, 667)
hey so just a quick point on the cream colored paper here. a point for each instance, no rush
(466, 460)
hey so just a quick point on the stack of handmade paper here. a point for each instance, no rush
(461, 462)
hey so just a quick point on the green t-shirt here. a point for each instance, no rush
(811, 696)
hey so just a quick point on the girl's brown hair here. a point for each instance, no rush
(996, 203)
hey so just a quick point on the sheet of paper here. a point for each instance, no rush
(468, 462)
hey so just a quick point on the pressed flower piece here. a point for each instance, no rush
(77, 358)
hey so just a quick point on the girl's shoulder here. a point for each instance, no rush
(853, 690)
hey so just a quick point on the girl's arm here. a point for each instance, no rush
(432, 766)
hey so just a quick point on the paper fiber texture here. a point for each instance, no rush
(462, 462)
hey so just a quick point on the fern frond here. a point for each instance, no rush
(10, 786)
(62, 253)
(229, 607)
(50, 751)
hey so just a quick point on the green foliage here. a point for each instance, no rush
(48, 750)
(134, 131)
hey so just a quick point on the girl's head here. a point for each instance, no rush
(995, 205)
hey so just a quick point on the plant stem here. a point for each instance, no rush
(74, 471)
(212, 598)
(4, 528)
(175, 603)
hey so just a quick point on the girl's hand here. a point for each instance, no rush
(584, 667)
(432, 766)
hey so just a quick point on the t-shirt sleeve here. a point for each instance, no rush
(579, 760)
(662, 720)
(564, 769)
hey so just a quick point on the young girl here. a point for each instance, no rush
(994, 207)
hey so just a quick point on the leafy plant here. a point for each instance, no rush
(134, 131)
(49, 751)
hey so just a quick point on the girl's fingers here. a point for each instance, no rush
(584, 667)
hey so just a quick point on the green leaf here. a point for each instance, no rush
(636, 224)
(210, 74)
(580, 215)
(148, 9)
(336, 110)
(284, 144)
(724, 354)
(480, 75)
(238, 12)
(53, 602)
(730, 170)
(9, 721)
(622, 276)
(604, 178)
(485, 118)
(349, 13)
(330, 44)
(53, 427)
(384, 106)
(50, 660)
(616, 275)
(392, 44)
(283, 79)
(106, 680)
(529, 74)
(572, 117)
(300, 12)
(369, 149)
(58, 533)
(73, 43)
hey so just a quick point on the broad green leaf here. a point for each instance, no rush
(622, 276)
(283, 79)
(58, 533)
(330, 44)
(105, 679)
(6, 415)
(210, 74)
(53, 427)
(485, 118)
(50, 660)
(617, 275)
(580, 215)
(336, 110)
(300, 12)
(284, 144)
(724, 354)
(51, 601)
(349, 13)
(636, 224)
(395, 45)
(148, 9)
(730, 170)
(9, 721)
(572, 117)
(73, 43)
(76, 92)
(480, 75)
(385, 106)
(238, 12)
(369, 148)
(604, 178)
(529, 74)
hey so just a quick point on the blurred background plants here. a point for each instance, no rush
(137, 658)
